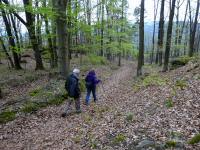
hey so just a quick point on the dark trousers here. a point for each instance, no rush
(89, 90)
(77, 104)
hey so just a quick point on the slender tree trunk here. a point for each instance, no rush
(193, 33)
(69, 25)
(49, 40)
(154, 27)
(11, 40)
(183, 26)
(30, 18)
(102, 28)
(160, 34)
(7, 54)
(169, 36)
(141, 42)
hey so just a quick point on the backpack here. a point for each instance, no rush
(70, 86)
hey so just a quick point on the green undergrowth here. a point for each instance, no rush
(119, 138)
(34, 106)
(7, 116)
(170, 144)
(150, 80)
(35, 92)
(181, 83)
(129, 117)
(181, 61)
(194, 140)
(169, 103)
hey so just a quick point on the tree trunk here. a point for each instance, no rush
(141, 42)
(50, 44)
(11, 40)
(7, 54)
(169, 36)
(102, 28)
(154, 27)
(61, 24)
(161, 33)
(193, 33)
(30, 18)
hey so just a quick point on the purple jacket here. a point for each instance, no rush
(91, 79)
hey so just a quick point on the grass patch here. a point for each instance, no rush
(129, 117)
(181, 84)
(170, 144)
(181, 61)
(35, 92)
(7, 116)
(194, 140)
(57, 101)
(169, 103)
(119, 139)
(34, 106)
(30, 107)
(151, 80)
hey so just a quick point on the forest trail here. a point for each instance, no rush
(164, 109)
(47, 130)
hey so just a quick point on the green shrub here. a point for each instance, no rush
(30, 107)
(57, 101)
(154, 79)
(180, 61)
(170, 144)
(7, 116)
(97, 60)
(181, 83)
(169, 103)
(119, 138)
(194, 140)
(129, 117)
(35, 92)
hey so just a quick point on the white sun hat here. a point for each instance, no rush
(77, 71)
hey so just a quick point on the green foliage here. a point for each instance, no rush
(82, 85)
(129, 117)
(7, 116)
(97, 60)
(180, 61)
(57, 100)
(30, 107)
(170, 144)
(169, 103)
(35, 92)
(194, 140)
(181, 84)
(119, 138)
(153, 79)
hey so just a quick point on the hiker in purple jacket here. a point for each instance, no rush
(91, 82)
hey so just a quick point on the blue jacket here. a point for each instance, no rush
(72, 86)
(91, 79)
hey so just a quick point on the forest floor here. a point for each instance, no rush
(156, 111)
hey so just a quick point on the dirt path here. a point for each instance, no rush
(105, 125)
(47, 130)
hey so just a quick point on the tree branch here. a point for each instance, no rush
(16, 15)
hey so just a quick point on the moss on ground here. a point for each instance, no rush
(7, 116)
(194, 140)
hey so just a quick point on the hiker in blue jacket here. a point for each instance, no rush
(91, 82)
(74, 93)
